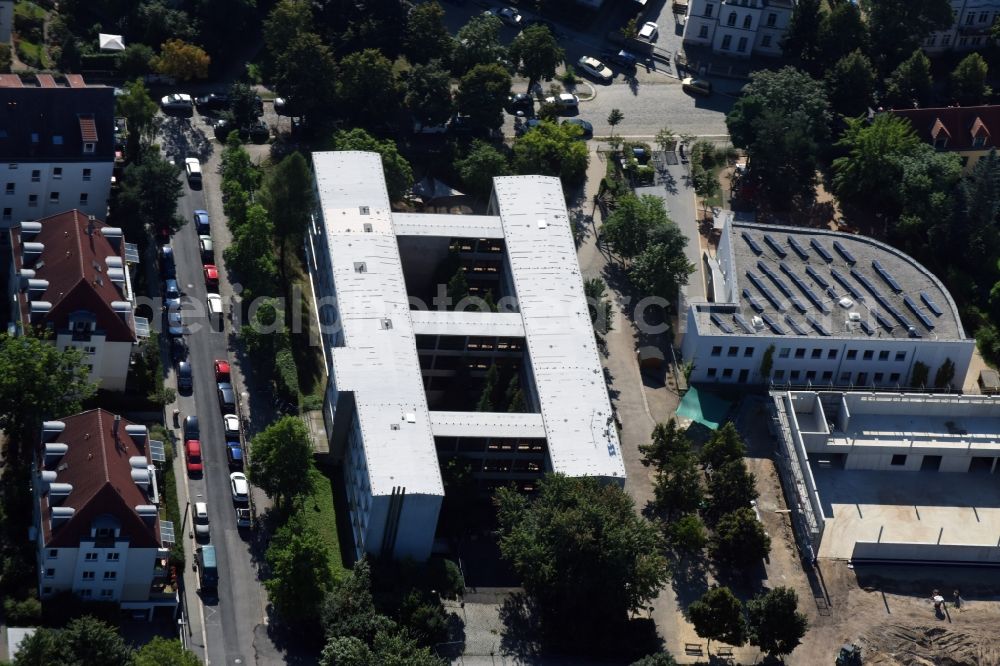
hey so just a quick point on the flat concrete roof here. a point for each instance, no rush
(487, 424)
(795, 279)
(487, 324)
(446, 225)
(894, 506)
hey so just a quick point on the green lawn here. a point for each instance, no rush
(318, 511)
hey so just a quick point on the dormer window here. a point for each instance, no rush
(979, 142)
(88, 147)
(34, 137)
(941, 142)
(57, 140)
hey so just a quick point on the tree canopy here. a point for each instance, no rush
(724, 446)
(536, 53)
(427, 37)
(181, 60)
(482, 93)
(288, 196)
(740, 539)
(718, 616)
(870, 172)
(428, 93)
(477, 43)
(851, 84)
(775, 624)
(148, 196)
(479, 166)
(398, 174)
(632, 222)
(139, 111)
(367, 91)
(85, 640)
(662, 268)
(165, 652)
(552, 150)
(968, 81)
(910, 83)
(306, 75)
(280, 455)
(299, 563)
(731, 486)
(899, 27)
(583, 553)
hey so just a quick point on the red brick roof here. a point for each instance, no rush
(959, 124)
(97, 466)
(68, 263)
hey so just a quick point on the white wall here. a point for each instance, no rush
(963, 35)
(714, 29)
(108, 361)
(133, 571)
(69, 185)
(965, 553)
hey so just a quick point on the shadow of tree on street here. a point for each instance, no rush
(520, 635)
(180, 139)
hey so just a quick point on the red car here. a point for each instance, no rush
(221, 370)
(192, 451)
(211, 275)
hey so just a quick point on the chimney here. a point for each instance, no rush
(147, 512)
(114, 236)
(61, 514)
(118, 420)
(30, 230)
(91, 220)
(138, 433)
(51, 430)
(30, 252)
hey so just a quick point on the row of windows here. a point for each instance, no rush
(53, 198)
(861, 379)
(946, 41)
(85, 593)
(984, 17)
(727, 41)
(87, 575)
(36, 177)
(816, 353)
(89, 557)
(772, 18)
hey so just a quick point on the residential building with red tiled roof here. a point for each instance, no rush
(69, 275)
(98, 529)
(966, 130)
(57, 145)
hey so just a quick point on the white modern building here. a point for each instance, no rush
(738, 28)
(971, 29)
(892, 477)
(97, 513)
(57, 147)
(70, 277)
(826, 308)
(396, 351)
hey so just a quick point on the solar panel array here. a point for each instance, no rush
(775, 278)
(743, 323)
(752, 243)
(931, 305)
(821, 251)
(867, 328)
(814, 274)
(723, 326)
(805, 288)
(844, 252)
(775, 245)
(773, 325)
(764, 289)
(915, 309)
(797, 247)
(845, 283)
(754, 303)
(796, 326)
(887, 276)
(815, 323)
(883, 322)
(886, 305)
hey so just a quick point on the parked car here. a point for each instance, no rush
(227, 398)
(624, 59)
(564, 101)
(178, 350)
(202, 222)
(243, 518)
(200, 520)
(175, 323)
(282, 107)
(696, 86)
(191, 427)
(171, 294)
(176, 102)
(211, 276)
(508, 15)
(193, 169)
(595, 68)
(214, 303)
(207, 248)
(649, 31)
(192, 452)
(212, 102)
(239, 487)
(167, 266)
(231, 425)
(586, 128)
(521, 104)
(259, 132)
(221, 370)
(184, 379)
(234, 455)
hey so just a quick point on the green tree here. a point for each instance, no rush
(724, 446)
(718, 616)
(687, 534)
(485, 403)
(480, 165)
(919, 374)
(165, 652)
(458, 287)
(552, 150)
(731, 487)
(242, 105)
(181, 61)
(665, 139)
(614, 119)
(868, 174)
(288, 196)
(482, 93)
(306, 74)
(348, 609)
(156, 22)
(477, 43)
(666, 442)
(785, 91)
(677, 488)
(945, 374)
(280, 456)
(284, 23)
(899, 27)
(968, 81)
(367, 90)
(599, 308)
(767, 363)
(139, 111)
(536, 53)
(237, 165)
(629, 226)
(801, 41)
(148, 197)
(39, 649)
(135, 60)
(400, 648)
(851, 84)
(87, 640)
(974, 232)
(38, 381)
(251, 253)
(299, 564)
(584, 554)
(774, 622)
(398, 174)
(910, 83)
(740, 539)
(346, 651)
(930, 179)
(427, 37)
(428, 92)
(842, 31)
(662, 268)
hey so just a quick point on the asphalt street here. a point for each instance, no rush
(230, 619)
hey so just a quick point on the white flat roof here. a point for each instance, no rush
(579, 423)
(443, 224)
(487, 424)
(442, 322)
(378, 361)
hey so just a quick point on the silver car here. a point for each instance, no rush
(201, 520)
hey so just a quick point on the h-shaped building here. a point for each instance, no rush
(451, 337)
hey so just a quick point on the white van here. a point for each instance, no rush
(193, 168)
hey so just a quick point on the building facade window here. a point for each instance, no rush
(85, 593)
(970, 18)
(741, 45)
(783, 352)
(811, 375)
(53, 553)
(794, 375)
(817, 353)
(703, 32)
(709, 8)
(712, 372)
(766, 42)
(894, 377)
(800, 353)
(88, 575)
(53, 197)
(110, 575)
(36, 175)
(747, 22)
(748, 352)
(733, 351)
(898, 459)
(727, 372)
(57, 172)
(86, 174)
(88, 147)
(883, 355)
(726, 41)
(732, 19)
(845, 377)
(91, 557)
(878, 377)
(84, 197)
(107, 594)
(828, 376)
(8, 213)
(978, 142)
(868, 355)
(716, 351)
(32, 200)
(945, 40)
(112, 557)
(10, 188)
(832, 355)
(772, 19)
(50, 573)
(779, 375)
